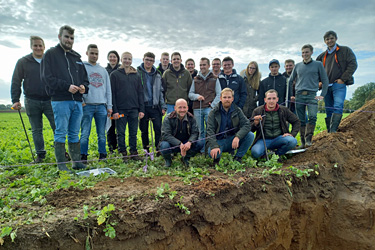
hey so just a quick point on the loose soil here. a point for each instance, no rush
(332, 209)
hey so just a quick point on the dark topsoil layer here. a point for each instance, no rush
(332, 209)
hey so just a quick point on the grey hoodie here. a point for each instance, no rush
(100, 86)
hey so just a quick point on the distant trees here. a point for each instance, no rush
(362, 95)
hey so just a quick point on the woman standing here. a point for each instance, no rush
(252, 80)
(113, 64)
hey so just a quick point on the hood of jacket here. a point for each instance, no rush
(142, 68)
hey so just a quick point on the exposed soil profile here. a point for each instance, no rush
(334, 208)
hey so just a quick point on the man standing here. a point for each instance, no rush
(37, 102)
(274, 81)
(97, 103)
(177, 82)
(128, 104)
(190, 66)
(340, 64)
(216, 66)
(230, 79)
(65, 77)
(228, 128)
(205, 92)
(179, 134)
(274, 119)
(154, 104)
(164, 63)
(307, 75)
(289, 66)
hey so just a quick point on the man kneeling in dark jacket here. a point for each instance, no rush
(179, 133)
(274, 118)
(228, 128)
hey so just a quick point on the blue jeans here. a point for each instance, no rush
(35, 110)
(99, 113)
(280, 144)
(308, 102)
(68, 116)
(170, 108)
(131, 118)
(194, 149)
(334, 99)
(226, 145)
(201, 116)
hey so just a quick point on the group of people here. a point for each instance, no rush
(211, 111)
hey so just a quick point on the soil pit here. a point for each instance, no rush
(331, 209)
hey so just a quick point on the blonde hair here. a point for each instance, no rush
(227, 90)
(122, 55)
(253, 80)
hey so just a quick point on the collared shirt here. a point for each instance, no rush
(332, 50)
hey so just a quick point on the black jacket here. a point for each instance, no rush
(237, 84)
(27, 71)
(277, 83)
(170, 128)
(110, 69)
(59, 70)
(127, 90)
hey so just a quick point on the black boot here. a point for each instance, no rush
(135, 156)
(328, 124)
(168, 160)
(239, 159)
(39, 158)
(335, 122)
(60, 157)
(302, 133)
(75, 154)
(84, 158)
(124, 156)
(309, 134)
(185, 160)
(102, 156)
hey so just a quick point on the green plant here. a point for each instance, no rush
(182, 207)
(7, 231)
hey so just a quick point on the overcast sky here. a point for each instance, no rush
(245, 30)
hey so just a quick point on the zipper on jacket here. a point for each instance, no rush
(69, 72)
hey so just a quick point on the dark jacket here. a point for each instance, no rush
(161, 70)
(285, 115)
(59, 70)
(240, 124)
(277, 83)
(237, 84)
(170, 128)
(157, 89)
(251, 99)
(346, 60)
(110, 69)
(27, 73)
(176, 84)
(127, 90)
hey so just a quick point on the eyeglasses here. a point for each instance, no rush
(252, 68)
(149, 60)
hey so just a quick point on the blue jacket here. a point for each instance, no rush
(27, 73)
(237, 84)
(59, 70)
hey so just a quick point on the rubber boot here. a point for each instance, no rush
(309, 134)
(124, 156)
(168, 160)
(75, 154)
(60, 157)
(135, 156)
(335, 122)
(302, 133)
(328, 124)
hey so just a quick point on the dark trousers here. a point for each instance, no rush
(156, 118)
(35, 110)
(112, 137)
(130, 118)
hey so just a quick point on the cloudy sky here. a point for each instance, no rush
(245, 30)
